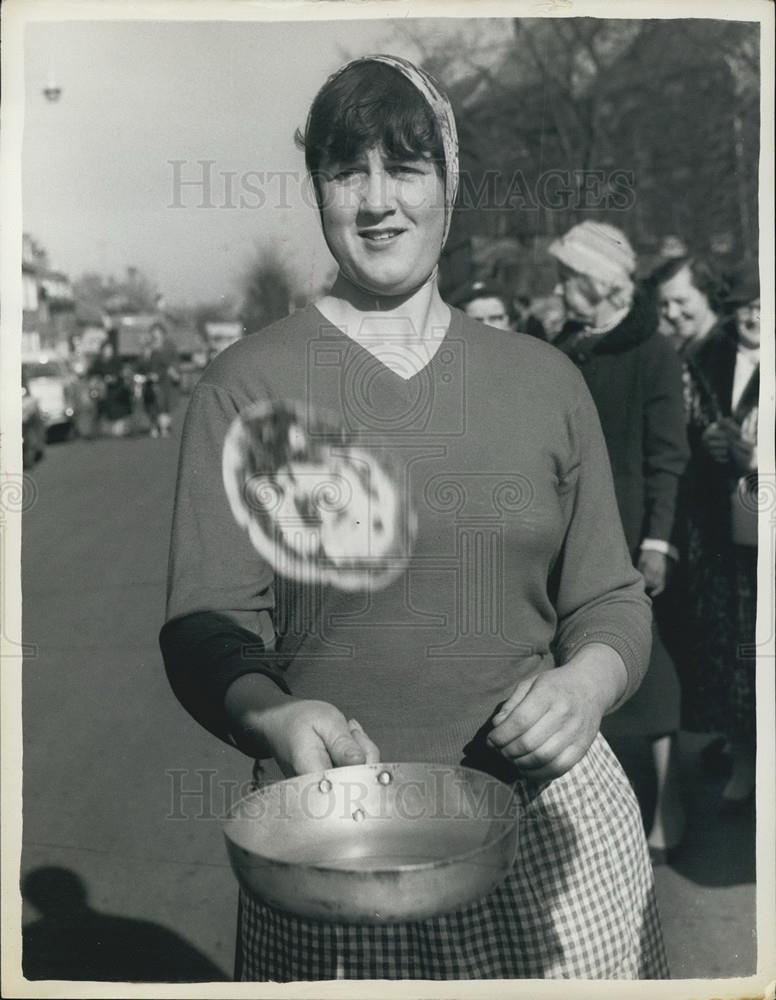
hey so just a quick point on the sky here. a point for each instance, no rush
(99, 165)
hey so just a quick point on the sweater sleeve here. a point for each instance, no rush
(599, 595)
(220, 593)
(666, 451)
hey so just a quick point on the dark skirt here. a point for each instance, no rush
(579, 903)
(717, 668)
(743, 720)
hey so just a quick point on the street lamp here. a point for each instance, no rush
(52, 91)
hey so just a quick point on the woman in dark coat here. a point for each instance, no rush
(718, 522)
(635, 379)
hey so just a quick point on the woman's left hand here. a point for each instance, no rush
(549, 721)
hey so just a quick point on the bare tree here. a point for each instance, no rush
(268, 292)
(671, 105)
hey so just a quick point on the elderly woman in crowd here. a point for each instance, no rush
(718, 333)
(635, 379)
(484, 432)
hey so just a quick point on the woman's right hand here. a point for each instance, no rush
(302, 735)
(314, 736)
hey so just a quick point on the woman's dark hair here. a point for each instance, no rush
(702, 274)
(369, 104)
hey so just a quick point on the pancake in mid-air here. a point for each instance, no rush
(316, 506)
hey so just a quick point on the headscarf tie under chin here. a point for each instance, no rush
(442, 111)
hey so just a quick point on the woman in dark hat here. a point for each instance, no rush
(481, 607)
(485, 302)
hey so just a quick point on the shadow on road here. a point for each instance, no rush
(72, 941)
(717, 850)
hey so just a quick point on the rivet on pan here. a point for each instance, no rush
(324, 785)
(358, 816)
(385, 777)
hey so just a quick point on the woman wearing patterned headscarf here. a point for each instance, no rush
(487, 612)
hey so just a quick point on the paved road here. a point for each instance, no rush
(111, 854)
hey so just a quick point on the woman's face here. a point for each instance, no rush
(748, 324)
(684, 310)
(489, 310)
(577, 293)
(383, 220)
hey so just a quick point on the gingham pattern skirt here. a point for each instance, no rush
(579, 903)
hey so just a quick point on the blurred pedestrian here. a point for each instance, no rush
(635, 379)
(114, 402)
(164, 364)
(718, 523)
(147, 370)
(485, 302)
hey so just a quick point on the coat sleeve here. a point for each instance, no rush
(666, 450)
(599, 595)
(220, 593)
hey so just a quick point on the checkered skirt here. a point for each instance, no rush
(579, 903)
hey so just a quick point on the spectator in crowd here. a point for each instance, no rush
(671, 247)
(114, 400)
(164, 363)
(689, 297)
(148, 369)
(718, 524)
(635, 379)
(485, 302)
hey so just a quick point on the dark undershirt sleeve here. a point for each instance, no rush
(220, 592)
(204, 653)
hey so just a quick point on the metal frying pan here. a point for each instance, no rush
(374, 843)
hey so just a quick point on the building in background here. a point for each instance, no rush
(53, 320)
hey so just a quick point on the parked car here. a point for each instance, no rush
(55, 388)
(33, 429)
